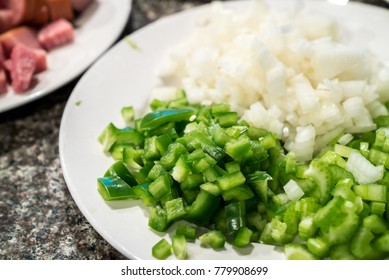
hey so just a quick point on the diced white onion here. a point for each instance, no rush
(362, 169)
(345, 139)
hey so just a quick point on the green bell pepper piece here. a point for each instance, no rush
(114, 188)
(202, 209)
(155, 119)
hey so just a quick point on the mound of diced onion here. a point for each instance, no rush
(282, 70)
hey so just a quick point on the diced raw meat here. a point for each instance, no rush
(41, 61)
(23, 62)
(81, 5)
(60, 9)
(19, 35)
(19, 9)
(3, 81)
(5, 20)
(56, 34)
(2, 56)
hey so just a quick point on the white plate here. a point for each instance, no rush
(125, 76)
(97, 29)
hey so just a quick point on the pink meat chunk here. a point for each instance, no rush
(81, 5)
(56, 34)
(20, 35)
(23, 63)
(2, 56)
(41, 61)
(3, 81)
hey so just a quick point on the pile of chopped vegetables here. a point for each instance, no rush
(223, 180)
(283, 68)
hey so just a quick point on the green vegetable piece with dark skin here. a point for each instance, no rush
(114, 188)
(119, 169)
(155, 119)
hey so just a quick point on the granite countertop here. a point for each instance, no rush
(38, 217)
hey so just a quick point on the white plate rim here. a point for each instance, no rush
(70, 108)
(121, 8)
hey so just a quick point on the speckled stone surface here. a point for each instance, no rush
(38, 217)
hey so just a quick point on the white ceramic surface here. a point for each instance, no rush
(96, 30)
(125, 76)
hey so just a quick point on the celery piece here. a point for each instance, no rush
(361, 246)
(162, 249)
(179, 247)
(341, 252)
(375, 223)
(306, 228)
(322, 176)
(382, 243)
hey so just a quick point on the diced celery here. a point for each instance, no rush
(372, 192)
(318, 246)
(382, 243)
(179, 247)
(375, 223)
